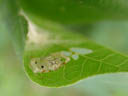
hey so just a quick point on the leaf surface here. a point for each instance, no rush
(77, 11)
(100, 61)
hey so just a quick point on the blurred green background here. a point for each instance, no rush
(14, 81)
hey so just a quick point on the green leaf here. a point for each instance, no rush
(14, 24)
(77, 11)
(100, 61)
